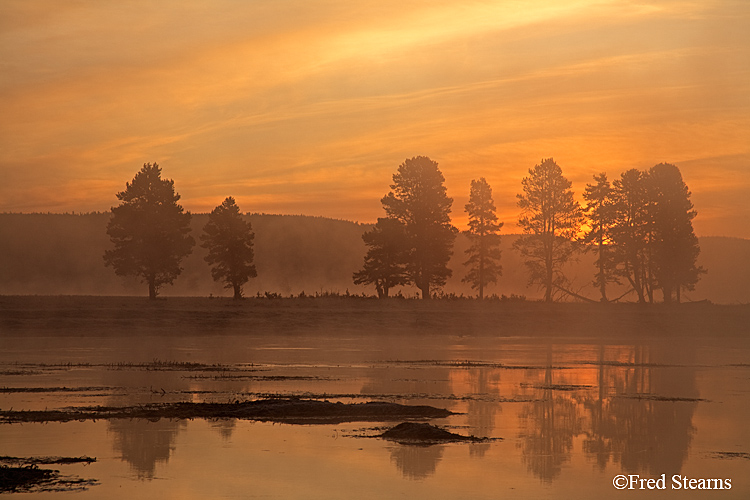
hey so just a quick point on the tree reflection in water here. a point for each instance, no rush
(483, 382)
(600, 414)
(641, 435)
(143, 443)
(225, 427)
(416, 462)
(548, 427)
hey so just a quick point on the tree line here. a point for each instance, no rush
(640, 227)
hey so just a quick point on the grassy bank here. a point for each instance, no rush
(104, 316)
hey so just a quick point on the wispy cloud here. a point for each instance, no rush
(300, 103)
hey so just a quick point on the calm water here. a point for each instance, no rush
(571, 416)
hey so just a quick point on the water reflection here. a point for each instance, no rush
(577, 412)
(629, 416)
(416, 462)
(410, 383)
(483, 382)
(644, 436)
(225, 427)
(144, 444)
(596, 445)
(548, 427)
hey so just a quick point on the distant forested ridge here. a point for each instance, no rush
(54, 254)
(62, 254)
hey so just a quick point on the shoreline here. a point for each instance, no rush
(136, 316)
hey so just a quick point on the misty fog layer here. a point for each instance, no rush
(62, 254)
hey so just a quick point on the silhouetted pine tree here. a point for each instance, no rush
(484, 252)
(675, 247)
(385, 262)
(419, 201)
(149, 230)
(550, 219)
(229, 240)
(600, 214)
(632, 232)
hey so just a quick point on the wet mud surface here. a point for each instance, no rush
(23, 475)
(291, 410)
(426, 434)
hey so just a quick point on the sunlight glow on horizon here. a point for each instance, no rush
(307, 108)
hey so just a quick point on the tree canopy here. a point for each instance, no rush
(229, 240)
(419, 201)
(675, 247)
(600, 214)
(149, 230)
(649, 224)
(631, 231)
(484, 252)
(385, 262)
(550, 219)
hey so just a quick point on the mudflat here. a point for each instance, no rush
(288, 410)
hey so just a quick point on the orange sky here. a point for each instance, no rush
(306, 106)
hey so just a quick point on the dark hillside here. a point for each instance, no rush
(62, 254)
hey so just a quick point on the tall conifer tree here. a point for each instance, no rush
(229, 240)
(550, 219)
(675, 247)
(149, 230)
(419, 201)
(600, 214)
(484, 252)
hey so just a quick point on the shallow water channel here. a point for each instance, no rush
(571, 415)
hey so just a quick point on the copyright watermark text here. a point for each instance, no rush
(678, 482)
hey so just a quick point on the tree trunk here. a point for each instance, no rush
(237, 292)
(481, 279)
(550, 268)
(548, 284)
(602, 277)
(425, 291)
(634, 278)
(481, 269)
(151, 289)
(648, 278)
(573, 294)
(667, 291)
